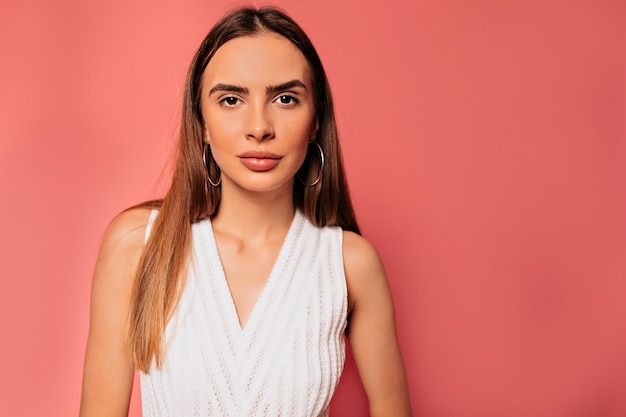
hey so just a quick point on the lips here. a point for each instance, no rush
(259, 161)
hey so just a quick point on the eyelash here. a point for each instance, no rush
(294, 100)
(225, 101)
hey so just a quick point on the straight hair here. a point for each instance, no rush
(163, 266)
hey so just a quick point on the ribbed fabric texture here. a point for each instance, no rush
(288, 358)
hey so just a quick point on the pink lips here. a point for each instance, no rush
(259, 160)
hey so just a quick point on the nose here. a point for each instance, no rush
(259, 126)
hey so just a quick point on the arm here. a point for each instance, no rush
(372, 330)
(108, 373)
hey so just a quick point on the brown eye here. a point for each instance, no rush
(287, 99)
(230, 101)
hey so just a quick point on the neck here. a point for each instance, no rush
(254, 215)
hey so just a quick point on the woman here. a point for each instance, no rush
(233, 294)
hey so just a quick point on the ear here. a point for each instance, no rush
(206, 137)
(314, 130)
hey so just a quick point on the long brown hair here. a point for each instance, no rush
(162, 268)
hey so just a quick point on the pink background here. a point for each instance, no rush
(485, 143)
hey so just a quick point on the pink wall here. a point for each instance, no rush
(486, 148)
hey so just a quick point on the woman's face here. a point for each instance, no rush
(259, 114)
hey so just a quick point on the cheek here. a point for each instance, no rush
(218, 142)
(304, 146)
(301, 129)
(220, 131)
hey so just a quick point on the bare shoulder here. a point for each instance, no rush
(122, 244)
(108, 372)
(359, 255)
(126, 231)
(128, 228)
(365, 273)
(371, 329)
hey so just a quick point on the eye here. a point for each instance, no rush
(229, 101)
(286, 99)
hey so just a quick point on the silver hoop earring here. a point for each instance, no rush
(319, 174)
(208, 176)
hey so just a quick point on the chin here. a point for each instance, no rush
(267, 183)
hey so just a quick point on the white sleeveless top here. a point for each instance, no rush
(288, 358)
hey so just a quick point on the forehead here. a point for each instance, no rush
(265, 59)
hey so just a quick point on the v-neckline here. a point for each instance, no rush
(260, 301)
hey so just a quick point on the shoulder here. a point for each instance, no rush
(122, 244)
(371, 329)
(363, 267)
(108, 373)
(127, 230)
(359, 254)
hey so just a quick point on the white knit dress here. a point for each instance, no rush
(288, 358)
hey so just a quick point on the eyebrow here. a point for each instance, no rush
(284, 86)
(228, 88)
(269, 90)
